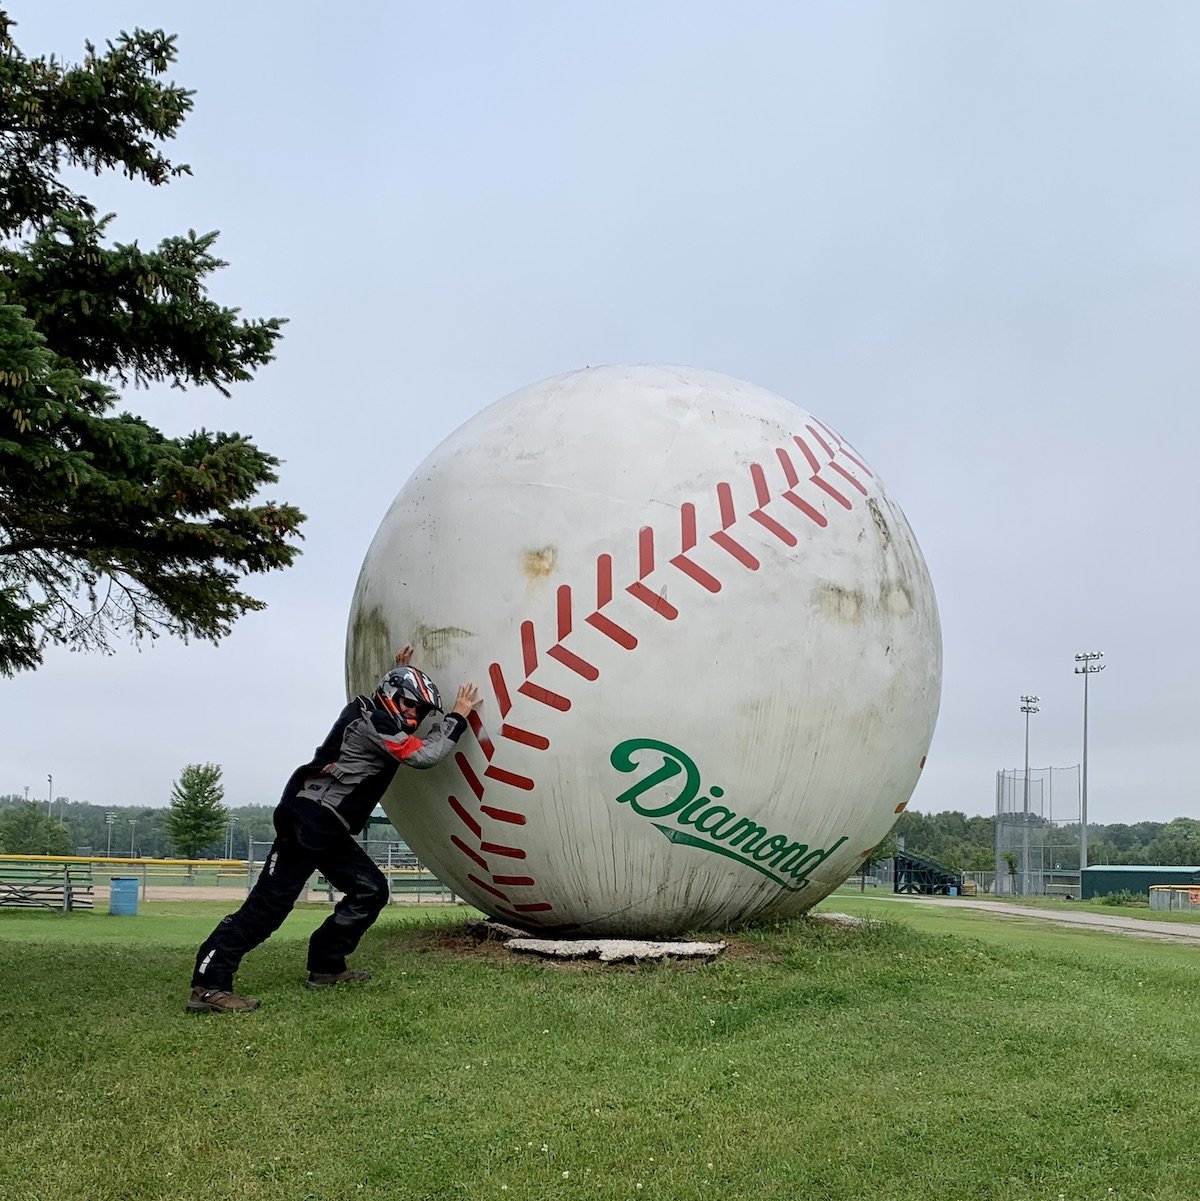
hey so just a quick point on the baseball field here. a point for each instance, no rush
(941, 1053)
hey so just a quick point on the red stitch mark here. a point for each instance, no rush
(525, 736)
(512, 913)
(604, 594)
(540, 907)
(504, 815)
(481, 736)
(508, 777)
(793, 479)
(815, 477)
(476, 785)
(466, 850)
(486, 887)
(579, 666)
(514, 881)
(921, 765)
(900, 808)
(565, 626)
(724, 540)
(762, 494)
(843, 447)
(495, 848)
(824, 445)
(687, 520)
(564, 611)
(638, 590)
(467, 819)
(528, 648)
(611, 630)
(500, 689)
(544, 696)
(848, 477)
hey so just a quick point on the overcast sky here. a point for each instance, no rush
(965, 235)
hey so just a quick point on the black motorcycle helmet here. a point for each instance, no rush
(413, 686)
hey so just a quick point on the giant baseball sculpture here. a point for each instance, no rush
(707, 639)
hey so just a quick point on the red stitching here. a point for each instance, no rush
(728, 518)
(687, 537)
(467, 819)
(466, 850)
(819, 435)
(503, 815)
(762, 494)
(537, 741)
(468, 773)
(487, 887)
(793, 478)
(604, 594)
(495, 848)
(500, 689)
(509, 777)
(485, 743)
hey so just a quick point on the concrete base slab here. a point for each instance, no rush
(614, 950)
(606, 950)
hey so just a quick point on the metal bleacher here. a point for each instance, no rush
(916, 874)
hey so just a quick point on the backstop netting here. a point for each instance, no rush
(1038, 823)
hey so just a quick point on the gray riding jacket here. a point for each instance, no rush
(351, 770)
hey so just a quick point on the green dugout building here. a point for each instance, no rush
(1100, 880)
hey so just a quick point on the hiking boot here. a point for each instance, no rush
(329, 979)
(216, 1000)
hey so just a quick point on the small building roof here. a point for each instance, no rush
(1139, 867)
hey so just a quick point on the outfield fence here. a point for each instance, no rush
(408, 880)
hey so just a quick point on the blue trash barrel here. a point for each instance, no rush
(123, 895)
(954, 890)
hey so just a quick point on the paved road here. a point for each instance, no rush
(1176, 932)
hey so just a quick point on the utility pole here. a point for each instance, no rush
(1029, 704)
(1090, 666)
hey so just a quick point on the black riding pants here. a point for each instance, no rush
(308, 838)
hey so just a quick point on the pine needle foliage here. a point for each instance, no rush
(108, 527)
(197, 816)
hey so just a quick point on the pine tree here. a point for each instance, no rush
(196, 818)
(106, 525)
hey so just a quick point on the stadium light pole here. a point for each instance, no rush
(49, 794)
(1029, 704)
(109, 818)
(1089, 667)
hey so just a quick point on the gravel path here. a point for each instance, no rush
(1136, 927)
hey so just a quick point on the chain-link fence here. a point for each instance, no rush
(408, 879)
(1038, 822)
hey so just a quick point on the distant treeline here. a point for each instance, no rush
(141, 830)
(969, 843)
(961, 842)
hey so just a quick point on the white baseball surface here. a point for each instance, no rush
(707, 640)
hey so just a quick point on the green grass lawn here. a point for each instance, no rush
(944, 1053)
